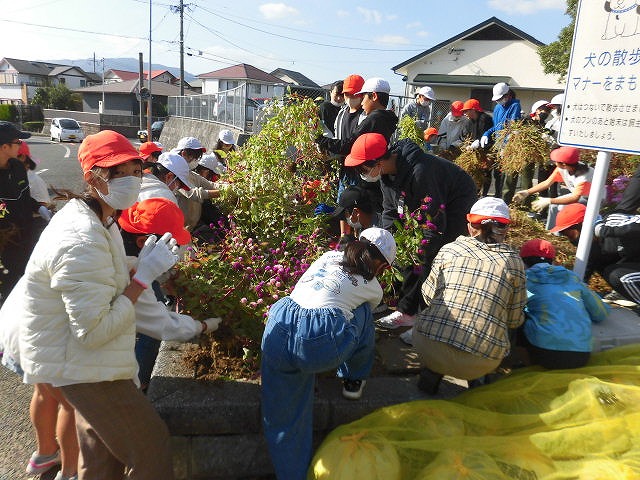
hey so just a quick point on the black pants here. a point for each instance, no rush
(551, 359)
(624, 278)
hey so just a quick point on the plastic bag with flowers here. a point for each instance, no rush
(614, 192)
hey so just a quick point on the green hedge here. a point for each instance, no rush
(8, 112)
(33, 126)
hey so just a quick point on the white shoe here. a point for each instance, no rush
(396, 319)
(407, 337)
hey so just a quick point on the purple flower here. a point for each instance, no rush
(442, 206)
(401, 215)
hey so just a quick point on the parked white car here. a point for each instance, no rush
(66, 130)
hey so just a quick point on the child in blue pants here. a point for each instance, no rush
(325, 323)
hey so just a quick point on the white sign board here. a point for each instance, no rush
(601, 109)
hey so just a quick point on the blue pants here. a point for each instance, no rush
(298, 343)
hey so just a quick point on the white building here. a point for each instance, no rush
(260, 84)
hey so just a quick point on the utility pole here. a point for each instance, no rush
(182, 48)
(140, 99)
(150, 101)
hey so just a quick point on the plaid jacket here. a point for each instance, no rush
(474, 294)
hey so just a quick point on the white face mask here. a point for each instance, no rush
(369, 178)
(355, 225)
(336, 104)
(172, 182)
(123, 192)
(354, 102)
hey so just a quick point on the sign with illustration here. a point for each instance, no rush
(601, 108)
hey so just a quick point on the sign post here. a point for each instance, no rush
(601, 109)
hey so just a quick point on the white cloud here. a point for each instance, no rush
(370, 16)
(342, 14)
(422, 33)
(391, 17)
(392, 40)
(414, 24)
(277, 11)
(525, 7)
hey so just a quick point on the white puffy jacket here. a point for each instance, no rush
(75, 325)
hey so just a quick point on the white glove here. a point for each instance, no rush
(540, 204)
(148, 246)
(212, 324)
(474, 145)
(484, 141)
(520, 196)
(161, 258)
(45, 213)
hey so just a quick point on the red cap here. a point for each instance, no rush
(155, 215)
(570, 215)
(352, 84)
(369, 146)
(430, 131)
(24, 149)
(147, 148)
(538, 248)
(456, 108)
(568, 155)
(472, 104)
(105, 149)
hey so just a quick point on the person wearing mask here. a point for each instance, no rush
(555, 119)
(507, 109)
(408, 176)
(77, 317)
(474, 295)
(575, 175)
(453, 130)
(17, 217)
(538, 117)
(560, 310)
(420, 107)
(328, 110)
(166, 176)
(356, 208)
(225, 145)
(480, 122)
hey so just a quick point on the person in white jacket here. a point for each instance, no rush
(154, 322)
(77, 317)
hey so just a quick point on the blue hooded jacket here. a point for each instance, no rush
(560, 309)
(503, 114)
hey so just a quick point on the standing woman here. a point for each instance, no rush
(77, 325)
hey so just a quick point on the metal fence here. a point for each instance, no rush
(229, 107)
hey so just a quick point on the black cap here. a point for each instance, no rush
(9, 132)
(351, 197)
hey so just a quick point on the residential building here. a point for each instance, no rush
(260, 84)
(470, 63)
(113, 75)
(294, 78)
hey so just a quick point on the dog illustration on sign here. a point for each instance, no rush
(622, 20)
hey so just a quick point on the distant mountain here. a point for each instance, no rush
(129, 64)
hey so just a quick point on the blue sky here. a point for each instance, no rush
(325, 40)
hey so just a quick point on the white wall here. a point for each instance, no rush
(210, 86)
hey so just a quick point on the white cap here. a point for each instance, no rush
(557, 100)
(191, 143)
(226, 136)
(499, 91)
(382, 239)
(427, 92)
(176, 165)
(537, 105)
(211, 162)
(491, 207)
(375, 84)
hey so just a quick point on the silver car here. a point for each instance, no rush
(66, 130)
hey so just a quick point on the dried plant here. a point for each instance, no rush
(519, 143)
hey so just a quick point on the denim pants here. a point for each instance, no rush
(147, 348)
(298, 343)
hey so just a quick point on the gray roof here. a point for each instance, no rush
(297, 77)
(131, 86)
(46, 69)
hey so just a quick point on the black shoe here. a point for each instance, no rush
(352, 389)
(429, 381)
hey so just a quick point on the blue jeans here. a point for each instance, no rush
(147, 348)
(298, 343)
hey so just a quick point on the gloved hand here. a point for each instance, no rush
(148, 246)
(484, 141)
(520, 196)
(597, 229)
(45, 213)
(540, 204)
(474, 145)
(161, 258)
(212, 324)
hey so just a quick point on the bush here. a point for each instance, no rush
(33, 126)
(8, 112)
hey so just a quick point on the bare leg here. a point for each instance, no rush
(44, 412)
(66, 433)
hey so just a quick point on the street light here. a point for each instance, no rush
(101, 110)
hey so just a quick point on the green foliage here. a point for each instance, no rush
(41, 97)
(407, 128)
(8, 112)
(33, 126)
(555, 56)
(57, 96)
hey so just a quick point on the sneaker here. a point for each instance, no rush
(383, 307)
(41, 463)
(407, 337)
(395, 320)
(60, 476)
(429, 381)
(352, 389)
(615, 297)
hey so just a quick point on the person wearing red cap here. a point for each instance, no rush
(408, 175)
(559, 312)
(156, 216)
(430, 136)
(150, 151)
(454, 128)
(480, 122)
(75, 307)
(575, 175)
(474, 296)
